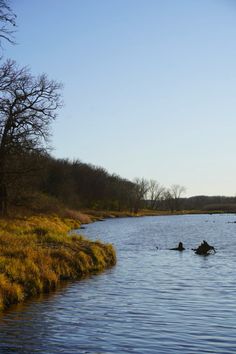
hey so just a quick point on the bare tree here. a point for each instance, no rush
(168, 201)
(28, 105)
(140, 192)
(155, 193)
(176, 191)
(7, 22)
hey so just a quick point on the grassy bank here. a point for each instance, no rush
(36, 253)
(89, 215)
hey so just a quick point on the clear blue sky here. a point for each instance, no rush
(149, 85)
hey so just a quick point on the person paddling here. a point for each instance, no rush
(179, 248)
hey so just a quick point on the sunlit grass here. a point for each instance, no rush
(37, 253)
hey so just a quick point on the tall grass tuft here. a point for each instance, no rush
(36, 253)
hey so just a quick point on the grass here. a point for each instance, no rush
(36, 253)
(95, 215)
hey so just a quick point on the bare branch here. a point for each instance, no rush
(7, 22)
(28, 105)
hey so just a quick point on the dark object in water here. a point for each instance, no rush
(179, 248)
(204, 249)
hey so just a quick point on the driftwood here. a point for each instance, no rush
(179, 248)
(204, 249)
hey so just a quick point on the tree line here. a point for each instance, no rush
(79, 185)
(43, 183)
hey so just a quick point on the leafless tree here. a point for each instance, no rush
(7, 22)
(28, 105)
(155, 193)
(140, 192)
(168, 201)
(176, 191)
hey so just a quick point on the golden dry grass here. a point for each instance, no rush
(36, 253)
(77, 215)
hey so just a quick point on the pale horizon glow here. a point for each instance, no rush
(149, 85)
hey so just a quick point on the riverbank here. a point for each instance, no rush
(87, 216)
(36, 253)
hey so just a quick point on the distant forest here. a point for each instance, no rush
(42, 183)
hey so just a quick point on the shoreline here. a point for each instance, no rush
(99, 215)
(37, 254)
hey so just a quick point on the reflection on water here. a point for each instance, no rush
(153, 301)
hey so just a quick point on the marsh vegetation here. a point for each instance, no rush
(37, 253)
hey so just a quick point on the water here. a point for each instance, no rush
(152, 301)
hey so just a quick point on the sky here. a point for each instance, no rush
(149, 85)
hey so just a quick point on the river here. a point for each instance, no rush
(152, 301)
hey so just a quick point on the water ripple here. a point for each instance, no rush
(153, 301)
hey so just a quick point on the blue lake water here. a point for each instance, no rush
(152, 301)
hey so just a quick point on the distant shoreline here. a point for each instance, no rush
(100, 215)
